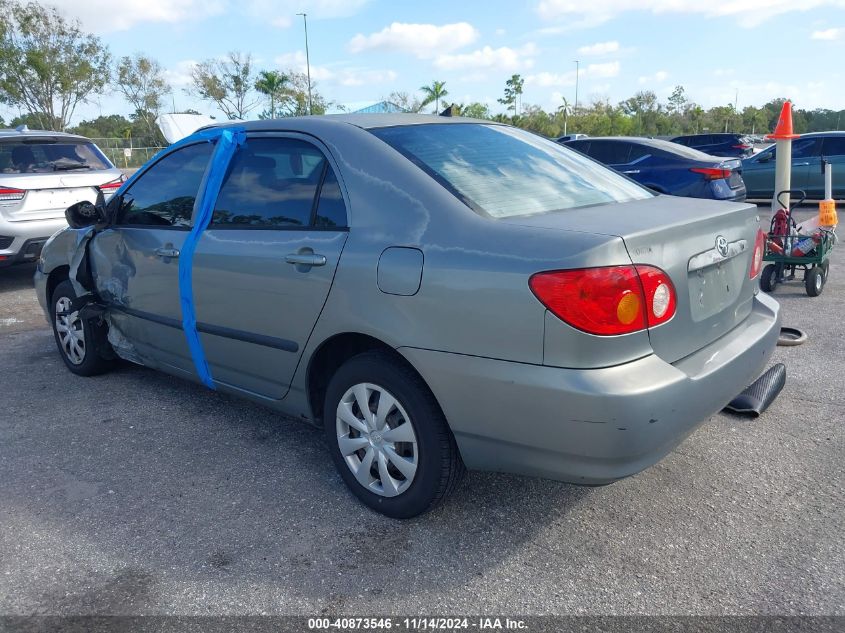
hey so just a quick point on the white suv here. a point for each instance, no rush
(41, 175)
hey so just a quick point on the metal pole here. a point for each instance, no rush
(577, 75)
(307, 59)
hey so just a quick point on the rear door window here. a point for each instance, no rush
(164, 195)
(610, 152)
(834, 146)
(48, 155)
(273, 183)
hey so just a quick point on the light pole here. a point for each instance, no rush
(307, 58)
(577, 75)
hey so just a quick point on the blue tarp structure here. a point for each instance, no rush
(382, 107)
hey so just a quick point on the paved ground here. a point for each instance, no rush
(134, 493)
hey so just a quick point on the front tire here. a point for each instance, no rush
(80, 341)
(388, 437)
(814, 281)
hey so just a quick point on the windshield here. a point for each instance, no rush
(38, 156)
(504, 172)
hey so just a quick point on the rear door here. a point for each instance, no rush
(135, 261)
(264, 266)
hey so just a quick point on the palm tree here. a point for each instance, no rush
(273, 84)
(565, 109)
(435, 92)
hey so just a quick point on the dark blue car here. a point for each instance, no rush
(728, 144)
(667, 167)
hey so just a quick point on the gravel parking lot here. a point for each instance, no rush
(136, 493)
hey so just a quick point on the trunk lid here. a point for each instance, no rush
(49, 194)
(679, 236)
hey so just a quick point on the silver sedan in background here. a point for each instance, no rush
(41, 174)
(437, 294)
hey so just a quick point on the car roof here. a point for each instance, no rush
(364, 121)
(655, 143)
(831, 133)
(25, 132)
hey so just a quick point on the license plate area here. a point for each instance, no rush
(714, 288)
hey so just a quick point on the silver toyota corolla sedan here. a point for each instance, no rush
(41, 174)
(438, 294)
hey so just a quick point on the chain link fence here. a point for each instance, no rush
(123, 153)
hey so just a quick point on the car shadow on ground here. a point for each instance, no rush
(155, 480)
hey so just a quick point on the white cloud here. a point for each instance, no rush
(343, 76)
(281, 22)
(504, 59)
(748, 13)
(657, 78)
(180, 75)
(591, 71)
(272, 10)
(599, 48)
(828, 34)
(103, 15)
(422, 40)
(500, 31)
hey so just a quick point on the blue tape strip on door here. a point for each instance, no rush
(228, 140)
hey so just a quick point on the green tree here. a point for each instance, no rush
(274, 85)
(405, 101)
(141, 81)
(228, 83)
(48, 65)
(435, 92)
(513, 94)
(476, 110)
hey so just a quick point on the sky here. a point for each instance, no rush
(748, 51)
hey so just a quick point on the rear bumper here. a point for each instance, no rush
(27, 238)
(592, 426)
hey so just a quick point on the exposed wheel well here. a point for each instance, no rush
(331, 355)
(57, 276)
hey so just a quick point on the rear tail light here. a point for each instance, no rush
(8, 193)
(607, 301)
(757, 256)
(112, 186)
(712, 173)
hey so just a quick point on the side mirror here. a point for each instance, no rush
(764, 158)
(84, 214)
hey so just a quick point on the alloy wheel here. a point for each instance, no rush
(70, 331)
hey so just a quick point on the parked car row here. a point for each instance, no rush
(718, 166)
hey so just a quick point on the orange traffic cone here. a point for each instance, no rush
(783, 130)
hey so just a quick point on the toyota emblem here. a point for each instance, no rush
(722, 245)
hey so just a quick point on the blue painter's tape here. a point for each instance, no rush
(228, 140)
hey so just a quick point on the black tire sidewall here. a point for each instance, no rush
(93, 363)
(768, 278)
(424, 414)
(810, 282)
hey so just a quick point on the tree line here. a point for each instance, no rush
(49, 66)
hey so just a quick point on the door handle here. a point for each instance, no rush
(167, 252)
(306, 259)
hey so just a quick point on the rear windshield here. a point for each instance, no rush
(38, 156)
(505, 172)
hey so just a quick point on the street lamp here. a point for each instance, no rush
(307, 58)
(577, 75)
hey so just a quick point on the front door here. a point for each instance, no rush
(135, 261)
(264, 266)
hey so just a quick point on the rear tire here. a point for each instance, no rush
(768, 278)
(366, 446)
(814, 281)
(81, 342)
